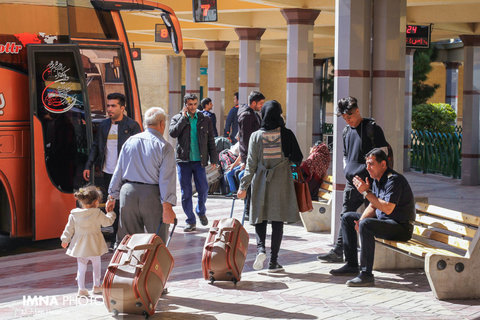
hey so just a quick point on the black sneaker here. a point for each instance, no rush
(275, 267)
(330, 256)
(346, 270)
(113, 246)
(190, 227)
(362, 280)
(203, 220)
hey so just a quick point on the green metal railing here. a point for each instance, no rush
(434, 152)
(327, 128)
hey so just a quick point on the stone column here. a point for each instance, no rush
(317, 101)
(408, 108)
(300, 74)
(216, 79)
(388, 90)
(352, 78)
(249, 61)
(471, 106)
(174, 90)
(192, 72)
(451, 84)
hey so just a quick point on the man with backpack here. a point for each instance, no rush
(359, 137)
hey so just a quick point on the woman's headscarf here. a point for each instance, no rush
(272, 115)
(318, 161)
(272, 119)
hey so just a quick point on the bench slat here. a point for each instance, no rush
(328, 179)
(441, 237)
(445, 224)
(324, 195)
(448, 214)
(416, 247)
(326, 187)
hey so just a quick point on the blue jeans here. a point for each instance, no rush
(185, 172)
(230, 175)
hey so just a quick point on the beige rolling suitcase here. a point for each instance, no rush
(137, 274)
(225, 251)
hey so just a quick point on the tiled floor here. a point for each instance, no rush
(41, 285)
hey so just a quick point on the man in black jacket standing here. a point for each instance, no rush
(195, 146)
(249, 121)
(111, 135)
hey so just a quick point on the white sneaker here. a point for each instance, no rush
(259, 261)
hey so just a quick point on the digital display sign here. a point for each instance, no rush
(136, 53)
(161, 33)
(418, 36)
(204, 10)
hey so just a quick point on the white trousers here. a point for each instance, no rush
(82, 269)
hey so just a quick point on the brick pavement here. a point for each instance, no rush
(304, 291)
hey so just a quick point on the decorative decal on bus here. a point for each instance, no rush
(2, 103)
(56, 96)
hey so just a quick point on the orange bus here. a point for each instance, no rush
(58, 62)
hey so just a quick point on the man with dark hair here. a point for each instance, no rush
(389, 215)
(206, 106)
(359, 137)
(144, 179)
(195, 146)
(109, 139)
(231, 124)
(249, 121)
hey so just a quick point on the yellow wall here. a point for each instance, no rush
(438, 75)
(273, 81)
(152, 77)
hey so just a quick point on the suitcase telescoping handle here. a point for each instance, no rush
(233, 206)
(171, 232)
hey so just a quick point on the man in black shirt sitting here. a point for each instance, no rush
(389, 215)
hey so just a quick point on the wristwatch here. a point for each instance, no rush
(364, 193)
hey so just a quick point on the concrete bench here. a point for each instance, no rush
(446, 243)
(319, 218)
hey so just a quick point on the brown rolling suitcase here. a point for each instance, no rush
(137, 274)
(225, 251)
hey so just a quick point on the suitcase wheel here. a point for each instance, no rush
(212, 279)
(115, 312)
(145, 314)
(234, 280)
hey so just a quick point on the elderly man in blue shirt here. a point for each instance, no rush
(144, 179)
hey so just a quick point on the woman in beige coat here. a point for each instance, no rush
(84, 235)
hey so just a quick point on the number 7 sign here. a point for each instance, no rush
(204, 10)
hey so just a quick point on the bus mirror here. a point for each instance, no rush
(173, 28)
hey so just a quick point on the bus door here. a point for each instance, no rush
(106, 72)
(61, 134)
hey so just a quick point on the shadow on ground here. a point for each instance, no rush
(241, 309)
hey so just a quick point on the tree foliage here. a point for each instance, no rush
(421, 67)
(434, 117)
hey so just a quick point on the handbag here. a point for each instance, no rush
(304, 199)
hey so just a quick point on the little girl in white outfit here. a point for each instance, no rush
(85, 237)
